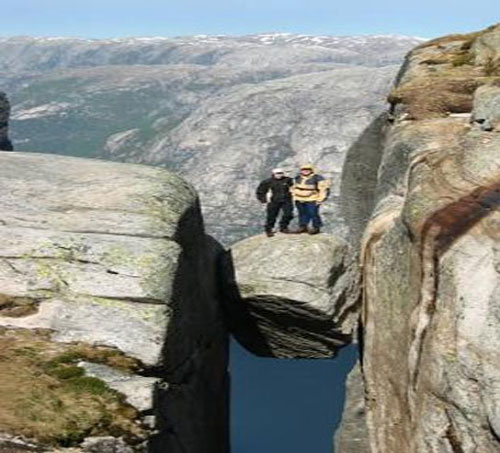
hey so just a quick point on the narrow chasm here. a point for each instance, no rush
(294, 298)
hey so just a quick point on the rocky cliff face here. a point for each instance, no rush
(110, 319)
(94, 251)
(430, 254)
(221, 111)
(5, 143)
(352, 435)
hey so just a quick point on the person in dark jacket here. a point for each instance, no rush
(275, 192)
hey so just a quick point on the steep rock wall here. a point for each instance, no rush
(352, 436)
(430, 256)
(5, 143)
(109, 309)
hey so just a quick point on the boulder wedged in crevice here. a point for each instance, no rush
(292, 296)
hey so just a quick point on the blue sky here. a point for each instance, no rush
(114, 18)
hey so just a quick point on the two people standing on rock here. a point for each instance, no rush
(308, 190)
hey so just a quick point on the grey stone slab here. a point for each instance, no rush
(294, 295)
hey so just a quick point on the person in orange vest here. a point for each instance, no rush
(309, 191)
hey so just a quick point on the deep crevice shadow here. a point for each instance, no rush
(191, 404)
(241, 323)
(360, 176)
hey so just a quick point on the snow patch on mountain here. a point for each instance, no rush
(53, 108)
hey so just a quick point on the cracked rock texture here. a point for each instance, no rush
(431, 256)
(115, 255)
(220, 110)
(5, 143)
(293, 296)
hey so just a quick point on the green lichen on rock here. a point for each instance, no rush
(48, 272)
(106, 245)
(463, 57)
(117, 255)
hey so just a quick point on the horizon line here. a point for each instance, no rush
(215, 35)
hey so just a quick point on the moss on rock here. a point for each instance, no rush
(46, 396)
(447, 73)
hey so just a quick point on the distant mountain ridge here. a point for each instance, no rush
(49, 52)
(220, 110)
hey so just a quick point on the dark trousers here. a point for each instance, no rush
(308, 212)
(273, 210)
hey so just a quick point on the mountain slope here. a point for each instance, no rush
(220, 110)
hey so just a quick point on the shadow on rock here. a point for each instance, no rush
(191, 404)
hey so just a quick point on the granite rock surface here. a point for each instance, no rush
(429, 256)
(101, 254)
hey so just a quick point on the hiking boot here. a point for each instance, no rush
(285, 230)
(300, 230)
(269, 233)
(314, 231)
